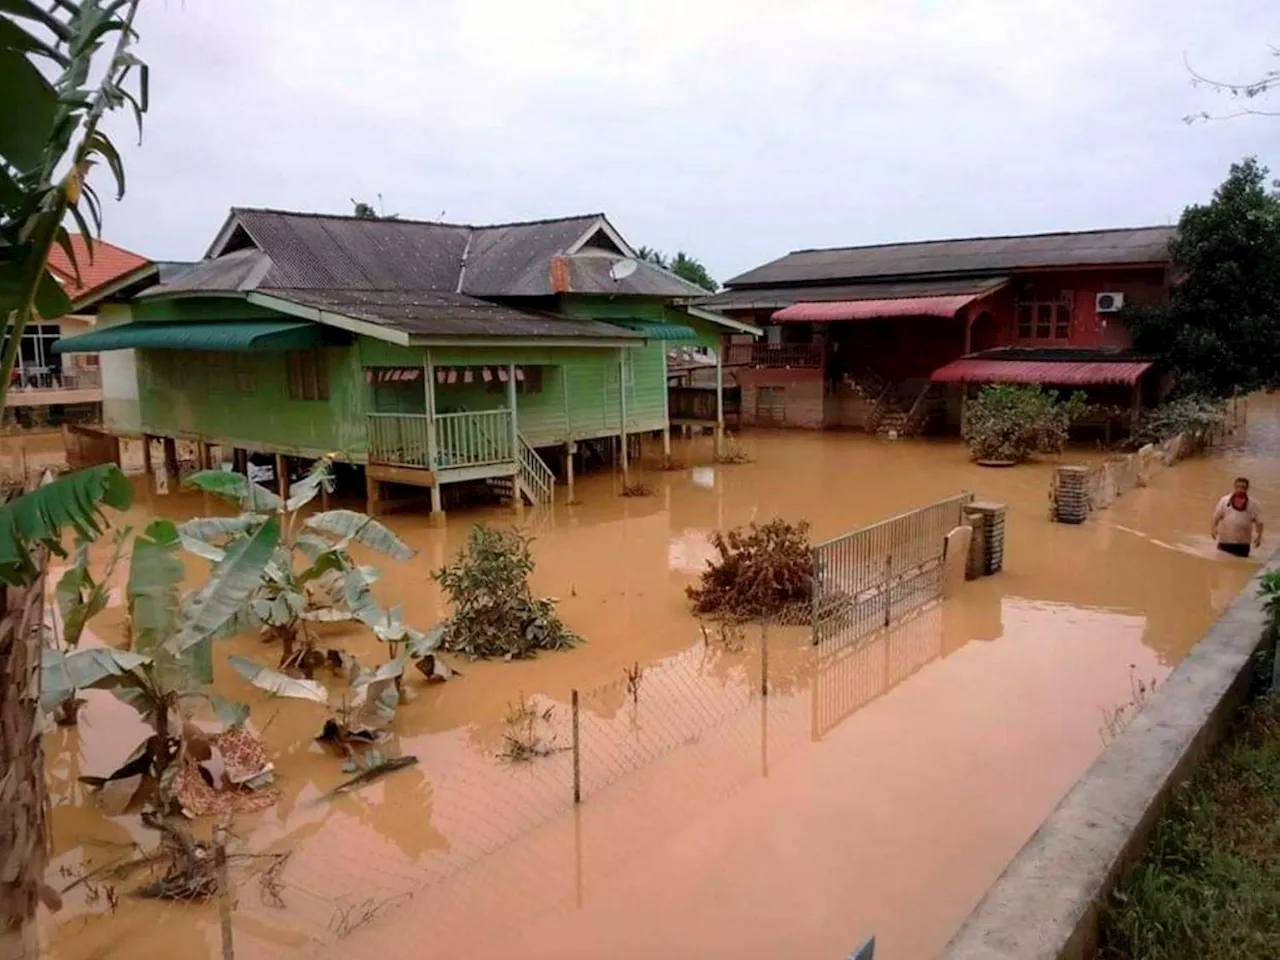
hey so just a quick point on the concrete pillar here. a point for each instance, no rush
(437, 501)
(570, 449)
(666, 444)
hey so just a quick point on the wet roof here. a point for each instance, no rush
(432, 314)
(1139, 245)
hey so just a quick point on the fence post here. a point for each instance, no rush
(888, 589)
(577, 752)
(815, 579)
(764, 659)
(224, 890)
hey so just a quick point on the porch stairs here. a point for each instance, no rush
(533, 480)
(906, 409)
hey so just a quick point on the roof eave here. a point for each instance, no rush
(721, 320)
(427, 340)
(328, 318)
(101, 292)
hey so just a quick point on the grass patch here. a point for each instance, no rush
(1208, 884)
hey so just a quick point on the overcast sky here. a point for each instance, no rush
(734, 129)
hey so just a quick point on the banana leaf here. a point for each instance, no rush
(74, 501)
(235, 487)
(101, 668)
(216, 530)
(354, 527)
(306, 489)
(155, 575)
(276, 683)
(230, 587)
(81, 596)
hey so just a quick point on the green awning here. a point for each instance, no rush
(225, 335)
(653, 330)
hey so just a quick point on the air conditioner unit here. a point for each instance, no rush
(1109, 302)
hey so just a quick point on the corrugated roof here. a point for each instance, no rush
(106, 264)
(828, 311)
(1042, 372)
(589, 273)
(659, 331)
(429, 314)
(979, 254)
(779, 297)
(231, 273)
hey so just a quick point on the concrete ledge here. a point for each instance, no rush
(1045, 906)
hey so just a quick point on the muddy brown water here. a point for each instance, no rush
(879, 788)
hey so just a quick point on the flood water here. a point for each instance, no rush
(879, 788)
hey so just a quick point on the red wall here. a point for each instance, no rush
(1088, 328)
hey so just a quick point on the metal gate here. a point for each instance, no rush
(872, 577)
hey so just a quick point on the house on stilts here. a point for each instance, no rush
(427, 354)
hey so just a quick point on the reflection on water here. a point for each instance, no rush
(880, 786)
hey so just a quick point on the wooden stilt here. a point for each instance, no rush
(171, 462)
(282, 476)
(373, 495)
(570, 449)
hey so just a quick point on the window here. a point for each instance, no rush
(307, 374)
(1046, 319)
(771, 404)
(528, 380)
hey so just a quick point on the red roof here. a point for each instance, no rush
(106, 264)
(827, 311)
(1071, 374)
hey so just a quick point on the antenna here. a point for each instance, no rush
(621, 269)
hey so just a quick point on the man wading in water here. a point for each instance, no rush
(1236, 522)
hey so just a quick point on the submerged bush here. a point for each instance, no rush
(495, 613)
(1189, 414)
(760, 572)
(1010, 423)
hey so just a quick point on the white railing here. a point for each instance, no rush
(473, 439)
(534, 475)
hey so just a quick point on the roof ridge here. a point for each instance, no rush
(1006, 236)
(412, 220)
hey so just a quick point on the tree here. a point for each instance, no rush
(682, 265)
(367, 211)
(1247, 93)
(1221, 328)
(49, 142)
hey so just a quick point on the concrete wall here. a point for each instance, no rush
(802, 396)
(1046, 904)
(121, 410)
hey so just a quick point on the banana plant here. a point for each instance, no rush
(169, 662)
(80, 596)
(312, 577)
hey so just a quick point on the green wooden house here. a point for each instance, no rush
(429, 353)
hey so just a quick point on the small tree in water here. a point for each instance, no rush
(1010, 423)
(760, 572)
(495, 613)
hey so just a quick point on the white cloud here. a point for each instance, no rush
(736, 130)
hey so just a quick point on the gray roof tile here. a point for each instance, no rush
(980, 254)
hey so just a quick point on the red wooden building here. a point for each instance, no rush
(871, 336)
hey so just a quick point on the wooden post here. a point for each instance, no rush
(282, 476)
(720, 400)
(968, 332)
(224, 890)
(622, 415)
(373, 493)
(147, 467)
(429, 400)
(666, 412)
(171, 462)
(515, 435)
(577, 751)
(1137, 407)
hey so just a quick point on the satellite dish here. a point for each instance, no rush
(622, 269)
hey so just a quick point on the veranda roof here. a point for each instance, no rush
(1042, 372)
(659, 331)
(222, 335)
(833, 310)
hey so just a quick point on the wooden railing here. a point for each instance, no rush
(400, 438)
(534, 475)
(460, 439)
(474, 439)
(774, 354)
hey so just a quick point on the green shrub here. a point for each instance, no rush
(1011, 423)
